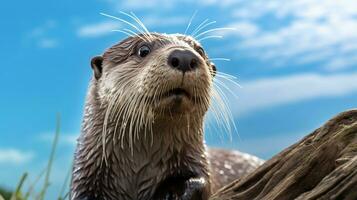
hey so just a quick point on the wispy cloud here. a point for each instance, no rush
(98, 29)
(47, 43)
(14, 156)
(315, 9)
(40, 35)
(268, 92)
(41, 30)
(242, 29)
(305, 38)
(341, 62)
(64, 138)
(319, 30)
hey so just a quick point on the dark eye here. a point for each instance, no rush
(143, 51)
(200, 51)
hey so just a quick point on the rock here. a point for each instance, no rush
(323, 165)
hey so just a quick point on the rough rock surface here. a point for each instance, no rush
(323, 165)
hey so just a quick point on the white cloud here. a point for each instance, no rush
(14, 156)
(65, 138)
(39, 35)
(303, 37)
(243, 28)
(312, 9)
(276, 91)
(40, 31)
(98, 29)
(47, 43)
(322, 30)
(340, 63)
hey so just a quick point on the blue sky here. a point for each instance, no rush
(296, 62)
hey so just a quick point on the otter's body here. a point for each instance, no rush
(142, 132)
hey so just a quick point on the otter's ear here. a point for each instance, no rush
(96, 64)
(214, 69)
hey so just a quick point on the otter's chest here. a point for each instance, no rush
(138, 175)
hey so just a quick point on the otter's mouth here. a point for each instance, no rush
(177, 92)
(177, 100)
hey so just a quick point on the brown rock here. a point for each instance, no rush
(323, 165)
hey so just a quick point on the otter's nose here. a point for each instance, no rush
(183, 60)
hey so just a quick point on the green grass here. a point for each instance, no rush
(6, 194)
(21, 193)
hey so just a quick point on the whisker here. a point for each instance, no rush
(223, 59)
(226, 75)
(225, 113)
(126, 33)
(201, 28)
(209, 37)
(222, 95)
(214, 29)
(233, 81)
(137, 20)
(104, 131)
(218, 109)
(189, 23)
(134, 117)
(132, 32)
(141, 23)
(129, 33)
(124, 21)
(221, 83)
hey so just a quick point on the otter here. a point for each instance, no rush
(142, 131)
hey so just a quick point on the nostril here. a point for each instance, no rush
(183, 60)
(175, 62)
(193, 63)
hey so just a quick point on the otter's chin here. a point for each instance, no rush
(176, 104)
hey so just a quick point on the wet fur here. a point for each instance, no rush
(129, 162)
(130, 143)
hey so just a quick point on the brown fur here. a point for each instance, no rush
(132, 139)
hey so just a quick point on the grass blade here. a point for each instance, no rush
(62, 196)
(32, 186)
(50, 161)
(17, 194)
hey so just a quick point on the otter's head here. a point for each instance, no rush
(156, 76)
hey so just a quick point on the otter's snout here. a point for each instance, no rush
(183, 60)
